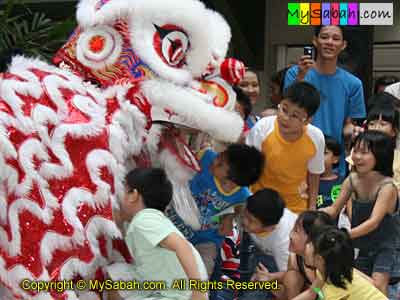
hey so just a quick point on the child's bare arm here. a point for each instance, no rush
(313, 187)
(263, 274)
(306, 295)
(293, 280)
(336, 207)
(384, 204)
(184, 252)
(185, 255)
(313, 291)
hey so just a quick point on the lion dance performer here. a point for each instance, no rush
(132, 78)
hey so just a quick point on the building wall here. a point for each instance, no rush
(284, 34)
(285, 43)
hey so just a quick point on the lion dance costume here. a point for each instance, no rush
(132, 78)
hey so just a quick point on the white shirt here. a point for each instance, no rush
(277, 243)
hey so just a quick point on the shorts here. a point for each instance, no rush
(384, 260)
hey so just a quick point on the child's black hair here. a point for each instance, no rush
(383, 105)
(385, 80)
(152, 184)
(267, 206)
(332, 145)
(244, 101)
(313, 218)
(252, 70)
(245, 164)
(278, 78)
(382, 147)
(335, 247)
(305, 95)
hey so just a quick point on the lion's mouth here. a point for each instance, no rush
(176, 141)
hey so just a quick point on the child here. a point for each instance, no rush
(251, 87)
(277, 87)
(330, 181)
(243, 104)
(374, 208)
(220, 185)
(331, 254)
(384, 116)
(243, 107)
(269, 224)
(297, 277)
(293, 148)
(160, 251)
(383, 81)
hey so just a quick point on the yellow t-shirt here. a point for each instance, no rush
(358, 289)
(287, 163)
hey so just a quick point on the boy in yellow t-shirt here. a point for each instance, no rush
(293, 148)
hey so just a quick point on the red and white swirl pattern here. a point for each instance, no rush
(63, 146)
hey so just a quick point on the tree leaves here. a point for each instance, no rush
(33, 33)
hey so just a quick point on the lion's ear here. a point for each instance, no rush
(99, 12)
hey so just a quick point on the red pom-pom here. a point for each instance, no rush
(232, 70)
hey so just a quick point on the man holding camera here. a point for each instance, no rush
(342, 97)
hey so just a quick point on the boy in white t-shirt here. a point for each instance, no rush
(269, 224)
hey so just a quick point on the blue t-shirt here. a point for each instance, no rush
(329, 190)
(342, 97)
(211, 200)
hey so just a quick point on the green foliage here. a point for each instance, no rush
(33, 33)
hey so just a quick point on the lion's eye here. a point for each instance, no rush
(171, 44)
